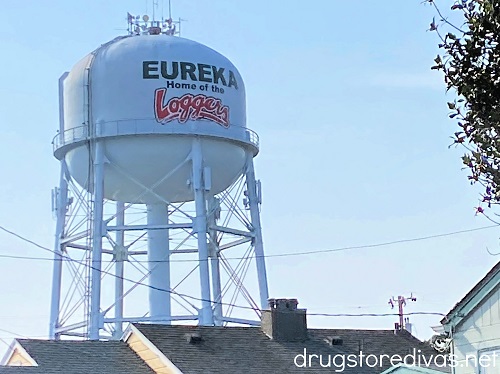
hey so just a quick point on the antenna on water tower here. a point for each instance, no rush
(138, 25)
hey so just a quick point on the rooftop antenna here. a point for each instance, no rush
(138, 25)
(401, 301)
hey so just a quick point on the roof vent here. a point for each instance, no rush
(194, 338)
(334, 340)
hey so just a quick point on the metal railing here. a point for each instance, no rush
(151, 127)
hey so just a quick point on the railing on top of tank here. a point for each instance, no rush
(150, 126)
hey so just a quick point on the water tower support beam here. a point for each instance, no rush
(97, 233)
(119, 270)
(254, 202)
(200, 228)
(217, 289)
(60, 204)
(214, 213)
(159, 263)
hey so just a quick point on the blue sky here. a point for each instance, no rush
(354, 149)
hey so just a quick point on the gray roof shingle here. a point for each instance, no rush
(221, 350)
(80, 357)
(248, 350)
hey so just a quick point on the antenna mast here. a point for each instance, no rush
(138, 25)
(401, 302)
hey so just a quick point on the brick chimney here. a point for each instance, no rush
(283, 321)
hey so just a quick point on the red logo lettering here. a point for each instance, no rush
(190, 107)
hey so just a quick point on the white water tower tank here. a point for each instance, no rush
(146, 97)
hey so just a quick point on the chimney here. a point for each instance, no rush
(397, 327)
(284, 322)
(408, 326)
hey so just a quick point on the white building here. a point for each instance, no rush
(474, 328)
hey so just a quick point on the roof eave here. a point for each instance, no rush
(464, 308)
(133, 330)
(16, 346)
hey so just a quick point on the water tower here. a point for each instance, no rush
(157, 181)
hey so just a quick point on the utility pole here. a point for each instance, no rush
(401, 302)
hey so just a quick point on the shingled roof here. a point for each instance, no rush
(282, 344)
(79, 357)
(249, 350)
(217, 350)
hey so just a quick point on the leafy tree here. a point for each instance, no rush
(470, 61)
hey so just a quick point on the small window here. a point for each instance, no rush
(489, 361)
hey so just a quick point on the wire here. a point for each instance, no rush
(13, 333)
(375, 314)
(25, 239)
(62, 256)
(4, 342)
(201, 299)
(27, 258)
(382, 244)
(290, 254)
(491, 253)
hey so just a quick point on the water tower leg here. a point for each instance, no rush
(119, 270)
(214, 261)
(200, 228)
(97, 234)
(159, 263)
(60, 201)
(216, 286)
(260, 261)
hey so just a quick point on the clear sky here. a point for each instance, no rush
(354, 149)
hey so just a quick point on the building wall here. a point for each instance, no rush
(477, 334)
(18, 359)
